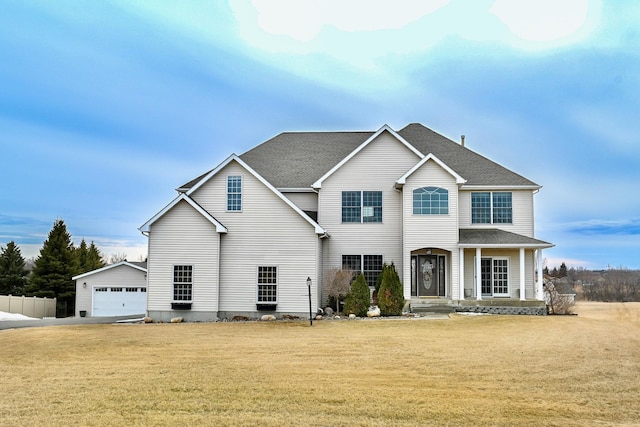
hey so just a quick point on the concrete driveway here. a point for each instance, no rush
(34, 323)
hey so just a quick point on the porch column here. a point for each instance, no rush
(461, 273)
(478, 274)
(540, 278)
(522, 275)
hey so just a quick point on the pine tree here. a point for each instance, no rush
(358, 298)
(563, 270)
(87, 258)
(13, 275)
(390, 295)
(94, 258)
(53, 269)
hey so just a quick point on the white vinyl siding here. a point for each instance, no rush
(431, 231)
(375, 168)
(305, 201)
(522, 212)
(183, 237)
(269, 232)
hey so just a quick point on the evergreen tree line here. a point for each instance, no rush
(59, 260)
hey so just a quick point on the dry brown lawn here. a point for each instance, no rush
(468, 370)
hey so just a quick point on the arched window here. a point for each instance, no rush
(430, 201)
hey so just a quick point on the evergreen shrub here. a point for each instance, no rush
(390, 295)
(358, 299)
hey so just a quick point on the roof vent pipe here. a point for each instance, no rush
(462, 140)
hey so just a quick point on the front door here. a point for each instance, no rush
(429, 275)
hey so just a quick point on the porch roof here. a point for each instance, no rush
(496, 238)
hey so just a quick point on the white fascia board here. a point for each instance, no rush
(506, 245)
(403, 179)
(145, 228)
(108, 267)
(500, 187)
(318, 183)
(236, 158)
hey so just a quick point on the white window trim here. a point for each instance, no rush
(277, 267)
(363, 207)
(173, 283)
(490, 208)
(226, 182)
(492, 258)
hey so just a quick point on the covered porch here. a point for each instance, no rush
(498, 266)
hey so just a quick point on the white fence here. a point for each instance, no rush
(28, 306)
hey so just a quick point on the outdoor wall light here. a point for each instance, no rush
(84, 285)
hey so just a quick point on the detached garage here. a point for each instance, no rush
(115, 290)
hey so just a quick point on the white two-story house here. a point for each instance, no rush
(243, 238)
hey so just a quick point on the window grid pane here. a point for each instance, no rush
(372, 268)
(267, 284)
(351, 206)
(485, 268)
(234, 193)
(430, 201)
(182, 282)
(481, 208)
(372, 206)
(500, 277)
(502, 208)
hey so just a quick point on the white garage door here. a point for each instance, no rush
(119, 301)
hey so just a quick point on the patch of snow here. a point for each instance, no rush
(14, 316)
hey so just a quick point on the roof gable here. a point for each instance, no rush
(385, 128)
(136, 266)
(234, 158)
(146, 227)
(403, 179)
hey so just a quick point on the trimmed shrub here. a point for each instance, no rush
(390, 295)
(358, 298)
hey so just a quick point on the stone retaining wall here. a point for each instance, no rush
(527, 311)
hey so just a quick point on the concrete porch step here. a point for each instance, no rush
(431, 306)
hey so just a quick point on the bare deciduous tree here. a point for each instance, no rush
(558, 301)
(338, 282)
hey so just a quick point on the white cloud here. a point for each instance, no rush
(304, 19)
(542, 20)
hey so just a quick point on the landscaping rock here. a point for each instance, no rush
(239, 319)
(176, 320)
(328, 311)
(352, 316)
(147, 320)
(373, 311)
(268, 317)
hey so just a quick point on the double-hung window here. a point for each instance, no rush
(362, 206)
(491, 207)
(369, 265)
(234, 193)
(267, 285)
(430, 201)
(182, 283)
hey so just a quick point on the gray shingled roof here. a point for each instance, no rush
(494, 236)
(298, 159)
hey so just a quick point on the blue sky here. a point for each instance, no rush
(107, 107)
